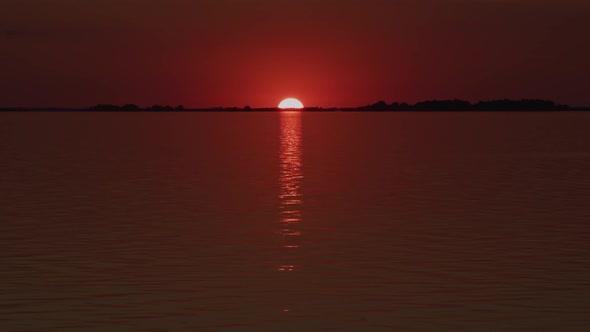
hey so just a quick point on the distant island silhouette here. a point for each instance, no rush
(462, 105)
(456, 105)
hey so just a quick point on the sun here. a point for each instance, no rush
(291, 103)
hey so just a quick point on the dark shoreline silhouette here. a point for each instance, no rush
(456, 105)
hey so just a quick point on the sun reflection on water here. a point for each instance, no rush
(291, 175)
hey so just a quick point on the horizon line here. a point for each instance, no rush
(464, 105)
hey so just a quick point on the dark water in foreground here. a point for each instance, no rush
(293, 222)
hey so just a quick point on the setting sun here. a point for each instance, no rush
(290, 103)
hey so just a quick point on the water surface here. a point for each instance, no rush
(291, 222)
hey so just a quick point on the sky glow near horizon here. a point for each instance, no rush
(328, 53)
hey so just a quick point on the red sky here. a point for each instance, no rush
(326, 52)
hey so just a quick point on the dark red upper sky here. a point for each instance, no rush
(206, 53)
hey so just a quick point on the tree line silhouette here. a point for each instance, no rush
(162, 108)
(133, 107)
(381, 106)
(462, 105)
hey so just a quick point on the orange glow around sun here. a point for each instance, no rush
(291, 103)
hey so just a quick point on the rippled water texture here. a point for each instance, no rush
(293, 222)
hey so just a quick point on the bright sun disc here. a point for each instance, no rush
(291, 103)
